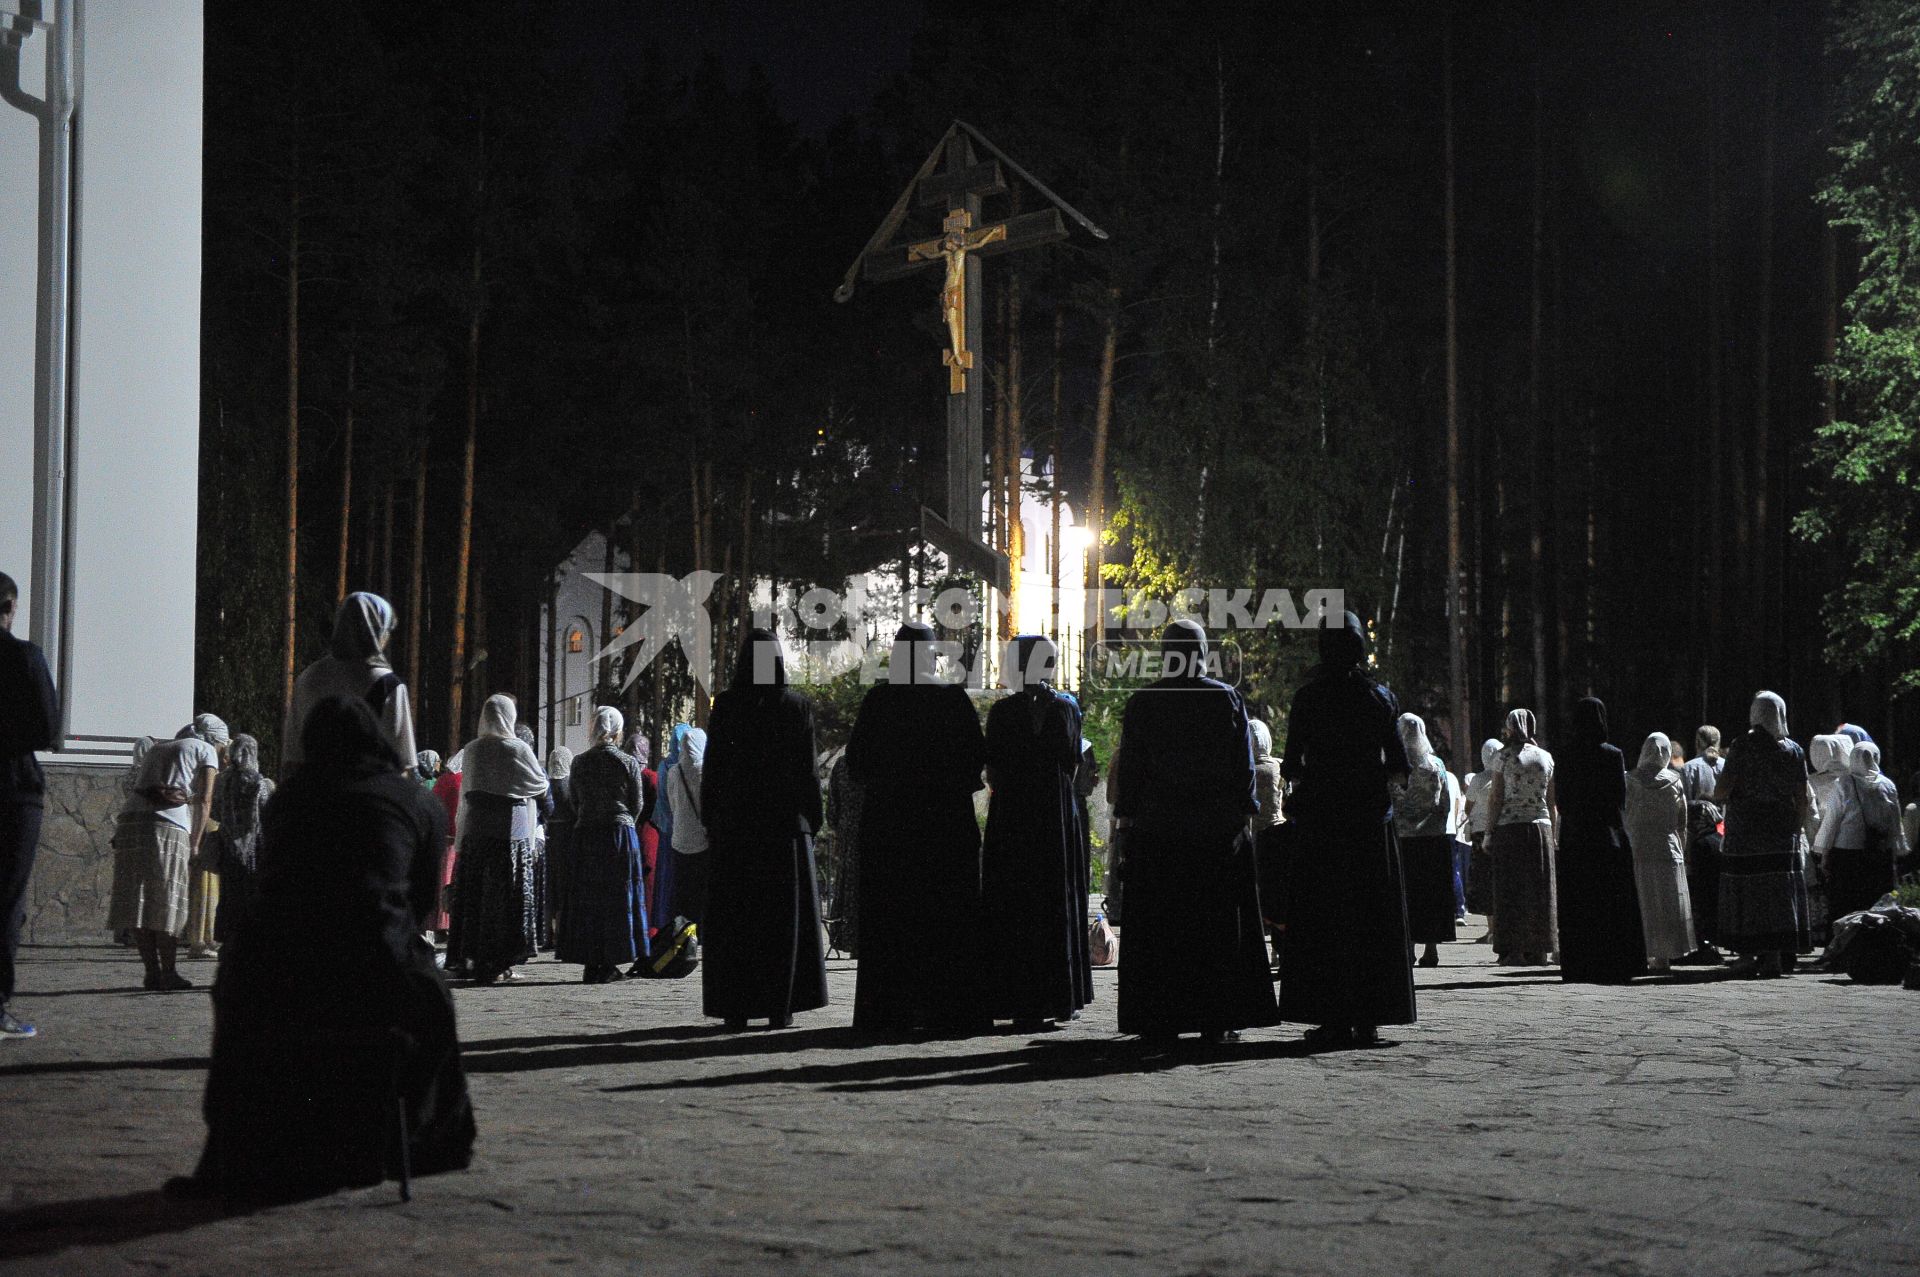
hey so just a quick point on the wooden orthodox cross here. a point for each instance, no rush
(953, 178)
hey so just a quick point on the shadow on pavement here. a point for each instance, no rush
(1033, 1062)
(668, 1032)
(645, 1046)
(183, 1062)
(99, 1221)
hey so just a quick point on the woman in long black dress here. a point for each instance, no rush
(1030, 862)
(1346, 966)
(1195, 953)
(496, 892)
(916, 752)
(327, 1003)
(603, 917)
(1601, 937)
(1763, 857)
(764, 954)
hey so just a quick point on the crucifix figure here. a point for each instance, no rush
(954, 180)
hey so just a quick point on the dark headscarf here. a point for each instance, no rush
(343, 739)
(760, 662)
(1343, 646)
(913, 659)
(1183, 649)
(361, 629)
(1588, 724)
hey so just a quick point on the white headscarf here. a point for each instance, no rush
(1413, 734)
(608, 723)
(1656, 755)
(498, 717)
(1829, 754)
(1262, 737)
(1864, 762)
(559, 763)
(206, 727)
(1769, 714)
(1489, 750)
(457, 763)
(1520, 723)
(361, 629)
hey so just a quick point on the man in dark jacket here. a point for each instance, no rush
(29, 715)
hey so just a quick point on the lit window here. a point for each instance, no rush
(576, 641)
(573, 712)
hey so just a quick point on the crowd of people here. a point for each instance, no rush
(377, 871)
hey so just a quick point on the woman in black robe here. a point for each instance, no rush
(764, 956)
(1030, 862)
(1601, 941)
(916, 752)
(1195, 953)
(327, 1005)
(1347, 962)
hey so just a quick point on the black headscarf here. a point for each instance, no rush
(342, 739)
(1588, 724)
(1343, 646)
(914, 641)
(760, 662)
(1183, 648)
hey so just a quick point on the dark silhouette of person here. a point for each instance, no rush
(1601, 940)
(1194, 957)
(764, 955)
(917, 751)
(1346, 963)
(1030, 860)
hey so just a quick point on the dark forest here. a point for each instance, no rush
(481, 278)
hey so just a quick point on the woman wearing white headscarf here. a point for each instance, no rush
(1524, 814)
(1657, 828)
(603, 915)
(1861, 837)
(355, 665)
(1480, 826)
(1420, 807)
(1827, 758)
(240, 795)
(1766, 794)
(496, 920)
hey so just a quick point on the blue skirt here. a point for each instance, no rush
(603, 917)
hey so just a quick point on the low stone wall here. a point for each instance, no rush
(73, 874)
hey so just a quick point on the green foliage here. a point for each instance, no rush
(1869, 505)
(1906, 892)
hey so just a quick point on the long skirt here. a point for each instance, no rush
(1427, 860)
(494, 919)
(1195, 957)
(237, 891)
(149, 877)
(1344, 958)
(603, 918)
(1856, 880)
(1703, 886)
(763, 945)
(1666, 910)
(1523, 889)
(1480, 877)
(1598, 906)
(1763, 893)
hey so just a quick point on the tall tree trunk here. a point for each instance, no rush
(550, 642)
(386, 542)
(293, 442)
(1097, 483)
(416, 566)
(1456, 610)
(463, 546)
(1536, 451)
(701, 513)
(1765, 543)
(1053, 467)
(481, 664)
(346, 491)
(1016, 444)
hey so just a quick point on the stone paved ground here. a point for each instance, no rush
(1522, 1126)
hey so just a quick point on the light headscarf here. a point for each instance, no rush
(244, 754)
(1864, 762)
(206, 727)
(1829, 754)
(640, 747)
(1769, 714)
(1262, 737)
(1489, 750)
(913, 659)
(1413, 734)
(427, 763)
(693, 755)
(361, 629)
(498, 716)
(458, 762)
(608, 723)
(559, 763)
(1520, 727)
(1656, 754)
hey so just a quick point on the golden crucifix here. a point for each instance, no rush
(954, 245)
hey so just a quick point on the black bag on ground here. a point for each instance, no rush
(1879, 952)
(676, 953)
